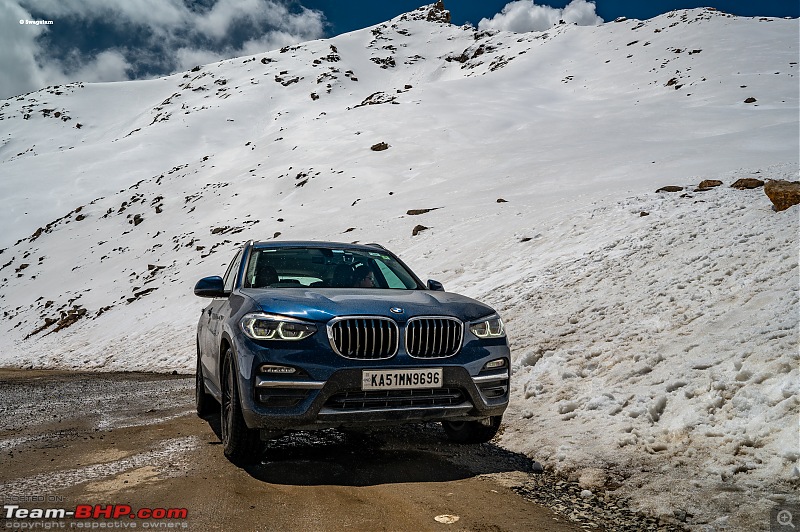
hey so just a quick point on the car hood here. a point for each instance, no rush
(323, 304)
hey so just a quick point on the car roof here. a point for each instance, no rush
(274, 244)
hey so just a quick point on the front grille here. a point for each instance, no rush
(433, 337)
(382, 399)
(367, 338)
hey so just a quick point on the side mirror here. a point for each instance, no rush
(435, 285)
(210, 287)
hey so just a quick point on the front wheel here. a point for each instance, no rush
(240, 444)
(480, 431)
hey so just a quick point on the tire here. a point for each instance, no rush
(472, 431)
(204, 403)
(240, 444)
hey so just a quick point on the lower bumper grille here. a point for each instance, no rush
(360, 400)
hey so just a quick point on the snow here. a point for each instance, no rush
(655, 356)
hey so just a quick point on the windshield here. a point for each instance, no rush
(325, 268)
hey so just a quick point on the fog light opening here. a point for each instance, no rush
(494, 391)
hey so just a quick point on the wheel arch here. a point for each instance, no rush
(225, 343)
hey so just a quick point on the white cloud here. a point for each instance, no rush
(187, 58)
(276, 39)
(524, 15)
(107, 65)
(218, 20)
(171, 37)
(149, 12)
(18, 50)
(582, 13)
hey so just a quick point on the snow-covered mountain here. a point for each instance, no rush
(655, 335)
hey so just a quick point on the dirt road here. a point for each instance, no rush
(127, 448)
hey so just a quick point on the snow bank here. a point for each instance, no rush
(665, 354)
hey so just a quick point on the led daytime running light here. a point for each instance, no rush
(491, 327)
(270, 327)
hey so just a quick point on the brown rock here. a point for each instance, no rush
(418, 229)
(379, 146)
(670, 188)
(501, 200)
(416, 212)
(747, 183)
(69, 318)
(782, 194)
(750, 100)
(709, 183)
(592, 478)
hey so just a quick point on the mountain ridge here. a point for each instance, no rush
(169, 99)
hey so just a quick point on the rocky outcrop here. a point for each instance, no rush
(438, 13)
(670, 188)
(782, 194)
(432, 13)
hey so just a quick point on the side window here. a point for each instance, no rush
(233, 269)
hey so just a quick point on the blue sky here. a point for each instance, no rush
(114, 40)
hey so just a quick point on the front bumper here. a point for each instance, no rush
(280, 402)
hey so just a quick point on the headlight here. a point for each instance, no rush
(491, 327)
(271, 327)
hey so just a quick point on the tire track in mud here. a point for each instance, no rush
(166, 454)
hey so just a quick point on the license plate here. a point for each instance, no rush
(401, 379)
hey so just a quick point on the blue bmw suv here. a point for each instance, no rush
(312, 335)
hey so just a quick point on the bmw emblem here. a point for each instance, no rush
(396, 310)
